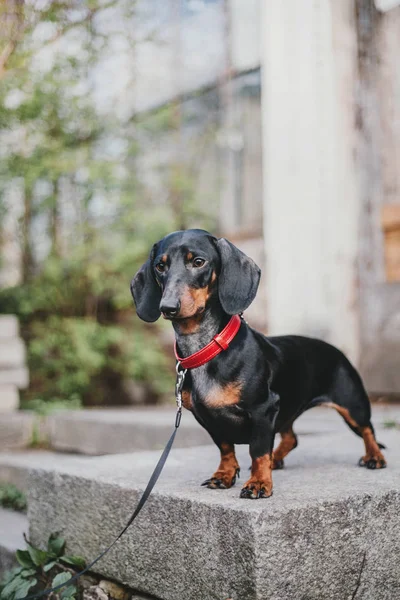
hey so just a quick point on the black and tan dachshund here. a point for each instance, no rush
(260, 384)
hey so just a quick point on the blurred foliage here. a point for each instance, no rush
(12, 497)
(44, 408)
(87, 220)
(84, 340)
(391, 424)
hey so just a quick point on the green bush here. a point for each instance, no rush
(74, 357)
(83, 338)
(12, 497)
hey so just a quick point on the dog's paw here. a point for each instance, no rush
(372, 462)
(277, 464)
(221, 480)
(256, 489)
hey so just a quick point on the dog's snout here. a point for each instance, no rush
(170, 308)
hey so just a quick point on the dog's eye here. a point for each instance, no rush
(160, 267)
(199, 262)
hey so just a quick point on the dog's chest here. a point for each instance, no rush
(212, 394)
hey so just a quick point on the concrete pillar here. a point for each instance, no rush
(311, 205)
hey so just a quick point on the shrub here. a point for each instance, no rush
(12, 497)
(83, 338)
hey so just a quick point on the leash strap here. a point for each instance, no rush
(149, 488)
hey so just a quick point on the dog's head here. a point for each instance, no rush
(188, 268)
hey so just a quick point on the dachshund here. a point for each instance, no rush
(256, 385)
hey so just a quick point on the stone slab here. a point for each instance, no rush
(15, 376)
(306, 542)
(108, 431)
(12, 353)
(16, 466)
(16, 429)
(9, 399)
(12, 527)
(9, 326)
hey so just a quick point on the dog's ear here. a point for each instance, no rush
(146, 292)
(238, 280)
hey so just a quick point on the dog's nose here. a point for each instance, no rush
(170, 308)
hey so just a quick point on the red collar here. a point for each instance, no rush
(219, 342)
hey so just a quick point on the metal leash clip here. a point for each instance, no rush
(180, 378)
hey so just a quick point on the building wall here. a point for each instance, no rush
(331, 111)
(379, 163)
(311, 205)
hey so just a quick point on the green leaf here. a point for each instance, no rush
(56, 544)
(24, 559)
(61, 578)
(12, 587)
(69, 592)
(28, 572)
(39, 557)
(76, 561)
(10, 575)
(49, 566)
(24, 589)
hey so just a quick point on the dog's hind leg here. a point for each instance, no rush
(348, 396)
(287, 444)
(373, 458)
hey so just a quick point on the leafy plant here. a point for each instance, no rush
(40, 569)
(391, 424)
(12, 497)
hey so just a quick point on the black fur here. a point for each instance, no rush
(279, 377)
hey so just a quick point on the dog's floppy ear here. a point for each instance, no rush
(145, 291)
(238, 280)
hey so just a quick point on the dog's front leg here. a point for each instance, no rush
(225, 476)
(261, 443)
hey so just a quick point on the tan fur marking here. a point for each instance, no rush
(287, 443)
(192, 300)
(164, 258)
(189, 256)
(344, 413)
(372, 450)
(228, 465)
(190, 325)
(187, 400)
(220, 396)
(199, 295)
(261, 475)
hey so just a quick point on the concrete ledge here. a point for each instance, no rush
(16, 430)
(107, 431)
(15, 467)
(306, 542)
(12, 527)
